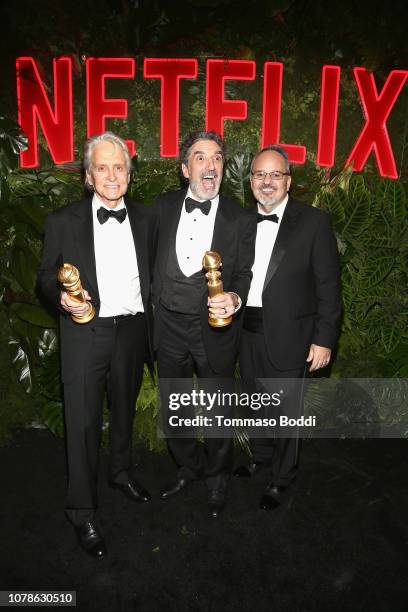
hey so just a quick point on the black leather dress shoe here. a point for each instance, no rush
(216, 502)
(91, 540)
(272, 498)
(133, 490)
(246, 471)
(175, 488)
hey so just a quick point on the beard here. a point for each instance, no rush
(273, 198)
(206, 188)
(268, 201)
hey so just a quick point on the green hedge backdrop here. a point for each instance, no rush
(368, 213)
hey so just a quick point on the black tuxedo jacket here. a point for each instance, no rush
(301, 299)
(234, 240)
(69, 239)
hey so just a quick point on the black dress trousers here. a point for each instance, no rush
(115, 365)
(180, 354)
(280, 453)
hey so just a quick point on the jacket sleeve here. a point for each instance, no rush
(47, 282)
(326, 268)
(242, 273)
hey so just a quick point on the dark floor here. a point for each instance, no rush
(340, 542)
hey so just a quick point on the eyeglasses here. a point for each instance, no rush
(260, 175)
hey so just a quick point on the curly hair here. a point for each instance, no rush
(193, 138)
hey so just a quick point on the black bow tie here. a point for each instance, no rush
(191, 204)
(273, 218)
(103, 214)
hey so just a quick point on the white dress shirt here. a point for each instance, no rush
(117, 271)
(194, 235)
(266, 234)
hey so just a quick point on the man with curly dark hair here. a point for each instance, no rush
(190, 222)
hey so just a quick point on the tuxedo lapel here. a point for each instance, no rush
(138, 227)
(82, 227)
(223, 218)
(284, 237)
(170, 221)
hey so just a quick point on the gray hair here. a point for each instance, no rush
(195, 137)
(277, 149)
(105, 137)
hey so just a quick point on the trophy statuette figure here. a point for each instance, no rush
(68, 276)
(212, 263)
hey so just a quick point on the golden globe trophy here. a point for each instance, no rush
(212, 263)
(68, 276)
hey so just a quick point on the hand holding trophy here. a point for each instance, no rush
(212, 263)
(68, 276)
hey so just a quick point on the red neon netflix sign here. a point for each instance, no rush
(56, 117)
(170, 71)
(98, 108)
(33, 105)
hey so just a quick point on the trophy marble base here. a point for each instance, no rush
(85, 318)
(217, 322)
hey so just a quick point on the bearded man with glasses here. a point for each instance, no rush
(293, 311)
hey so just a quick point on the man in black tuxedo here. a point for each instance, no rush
(191, 222)
(293, 310)
(110, 240)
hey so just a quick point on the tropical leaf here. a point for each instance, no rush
(24, 265)
(4, 192)
(150, 181)
(375, 268)
(25, 183)
(31, 313)
(358, 208)
(320, 397)
(57, 184)
(31, 212)
(380, 235)
(49, 376)
(347, 288)
(145, 424)
(28, 335)
(12, 141)
(342, 180)
(47, 188)
(360, 312)
(396, 361)
(335, 202)
(390, 337)
(358, 190)
(21, 364)
(237, 173)
(391, 397)
(392, 198)
(48, 343)
(52, 413)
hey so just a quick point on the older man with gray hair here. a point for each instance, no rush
(109, 239)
